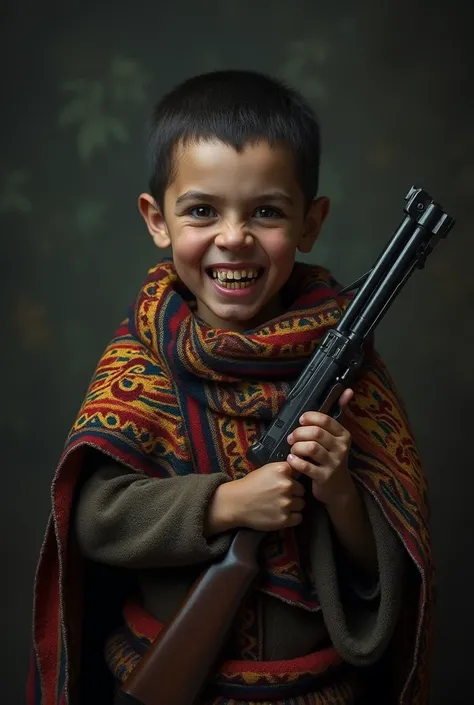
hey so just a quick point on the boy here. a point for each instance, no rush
(154, 478)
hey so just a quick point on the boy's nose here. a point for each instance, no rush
(236, 237)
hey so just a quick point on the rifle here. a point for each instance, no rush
(201, 626)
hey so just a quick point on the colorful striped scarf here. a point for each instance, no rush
(173, 396)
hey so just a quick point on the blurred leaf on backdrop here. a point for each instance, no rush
(12, 197)
(303, 64)
(127, 80)
(95, 107)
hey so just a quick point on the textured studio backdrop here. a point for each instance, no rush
(392, 83)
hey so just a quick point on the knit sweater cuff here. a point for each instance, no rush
(360, 621)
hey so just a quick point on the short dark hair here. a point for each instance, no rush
(237, 108)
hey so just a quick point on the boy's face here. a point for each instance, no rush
(234, 222)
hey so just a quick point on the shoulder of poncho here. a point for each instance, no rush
(130, 411)
(125, 349)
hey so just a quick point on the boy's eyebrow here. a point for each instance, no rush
(267, 196)
(194, 196)
(275, 196)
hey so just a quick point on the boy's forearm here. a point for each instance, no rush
(126, 519)
(354, 531)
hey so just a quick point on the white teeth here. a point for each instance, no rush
(230, 279)
(234, 275)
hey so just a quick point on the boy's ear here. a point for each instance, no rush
(154, 220)
(313, 223)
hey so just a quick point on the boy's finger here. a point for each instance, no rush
(345, 397)
(298, 488)
(328, 423)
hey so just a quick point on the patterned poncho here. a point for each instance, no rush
(173, 396)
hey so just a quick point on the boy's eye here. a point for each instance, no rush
(203, 212)
(268, 212)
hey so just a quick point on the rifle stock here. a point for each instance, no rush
(197, 634)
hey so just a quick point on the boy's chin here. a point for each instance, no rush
(239, 317)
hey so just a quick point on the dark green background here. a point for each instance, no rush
(392, 82)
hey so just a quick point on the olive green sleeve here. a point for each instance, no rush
(131, 520)
(360, 618)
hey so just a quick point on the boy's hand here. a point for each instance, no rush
(320, 449)
(266, 499)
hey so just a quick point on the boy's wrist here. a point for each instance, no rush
(342, 500)
(221, 513)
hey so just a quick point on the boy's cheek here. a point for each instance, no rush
(282, 256)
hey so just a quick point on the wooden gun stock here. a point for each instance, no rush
(197, 634)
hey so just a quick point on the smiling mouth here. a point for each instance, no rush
(229, 279)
